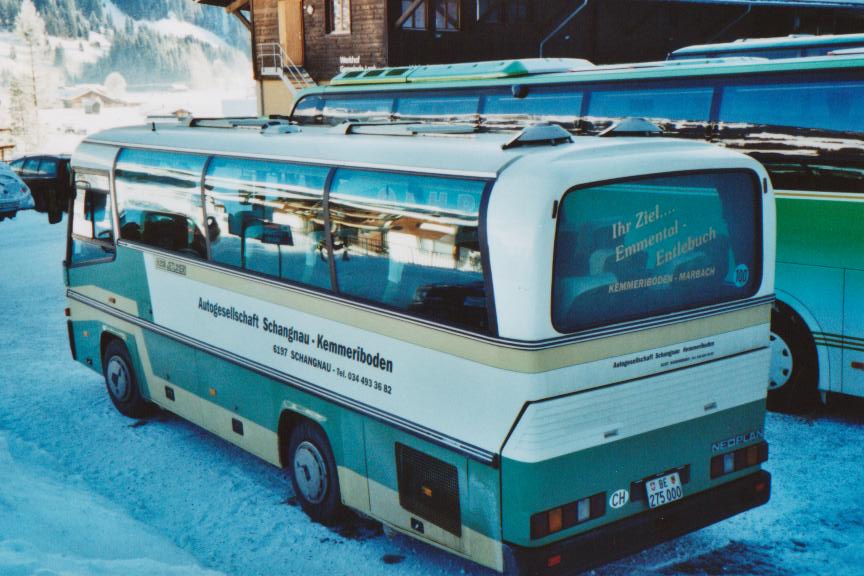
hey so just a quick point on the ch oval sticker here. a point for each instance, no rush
(619, 498)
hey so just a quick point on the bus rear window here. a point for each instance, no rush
(632, 249)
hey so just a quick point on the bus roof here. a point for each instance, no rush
(792, 41)
(469, 155)
(613, 72)
(463, 71)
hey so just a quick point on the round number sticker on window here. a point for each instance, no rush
(742, 275)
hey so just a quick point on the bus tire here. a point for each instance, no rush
(313, 473)
(121, 381)
(792, 382)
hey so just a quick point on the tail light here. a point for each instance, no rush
(567, 516)
(730, 462)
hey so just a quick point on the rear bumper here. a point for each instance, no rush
(614, 541)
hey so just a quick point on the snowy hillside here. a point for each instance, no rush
(152, 55)
(85, 491)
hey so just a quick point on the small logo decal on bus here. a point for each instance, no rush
(619, 498)
(170, 266)
(742, 275)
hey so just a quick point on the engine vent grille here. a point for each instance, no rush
(429, 488)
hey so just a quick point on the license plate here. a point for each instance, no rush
(663, 490)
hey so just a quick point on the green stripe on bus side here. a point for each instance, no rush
(844, 337)
(841, 346)
(125, 278)
(820, 233)
(614, 466)
(838, 341)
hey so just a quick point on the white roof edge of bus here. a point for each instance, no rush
(847, 52)
(770, 42)
(473, 156)
(675, 63)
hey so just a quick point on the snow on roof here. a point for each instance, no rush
(83, 90)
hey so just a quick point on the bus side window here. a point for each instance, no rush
(338, 110)
(267, 217)
(562, 105)
(805, 103)
(159, 200)
(668, 105)
(411, 243)
(443, 108)
(92, 222)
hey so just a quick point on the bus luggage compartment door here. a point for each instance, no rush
(590, 453)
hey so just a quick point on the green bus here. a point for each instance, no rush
(802, 118)
(474, 338)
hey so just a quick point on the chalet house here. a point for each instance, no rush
(92, 99)
(299, 42)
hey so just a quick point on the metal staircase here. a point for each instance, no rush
(273, 61)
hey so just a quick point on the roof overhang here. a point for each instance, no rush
(232, 7)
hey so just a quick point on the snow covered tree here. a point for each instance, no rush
(30, 29)
(115, 85)
(23, 116)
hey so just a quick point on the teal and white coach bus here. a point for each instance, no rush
(536, 352)
(802, 118)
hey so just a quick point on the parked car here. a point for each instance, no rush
(50, 180)
(14, 194)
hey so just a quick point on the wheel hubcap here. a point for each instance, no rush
(310, 472)
(781, 363)
(118, 378)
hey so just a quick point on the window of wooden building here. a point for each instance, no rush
(503, 11)
(413, 14)
(338, 16)
(447, 14)
(430, 14)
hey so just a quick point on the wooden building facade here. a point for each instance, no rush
(295, 42)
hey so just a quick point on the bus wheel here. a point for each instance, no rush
(121, 382)
(313, 473)
(794, 365)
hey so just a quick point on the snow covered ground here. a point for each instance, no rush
(85, 491)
